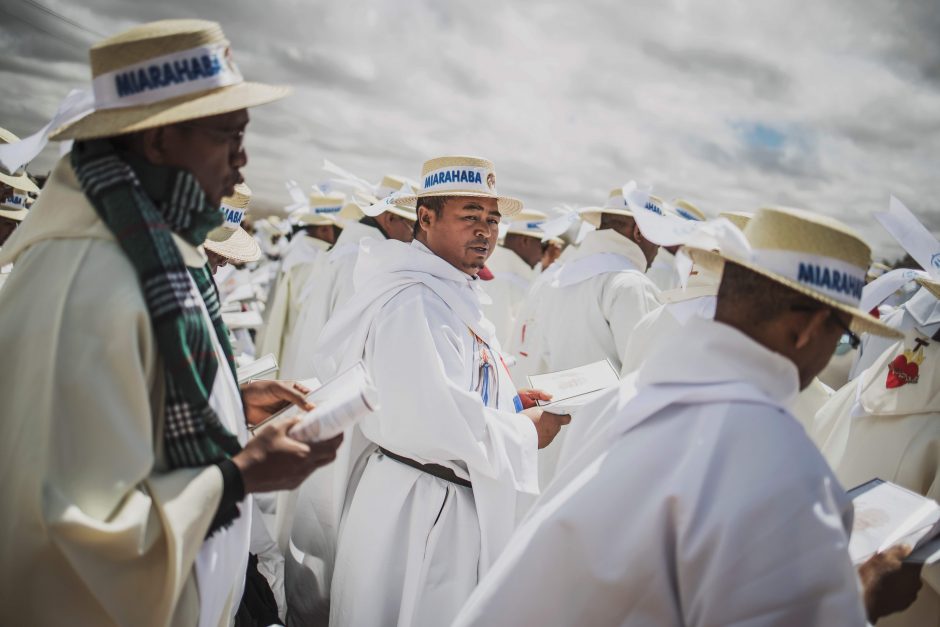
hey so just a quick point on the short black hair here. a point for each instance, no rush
(751, 298)
(432, 203)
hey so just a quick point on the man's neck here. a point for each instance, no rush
(424, 242)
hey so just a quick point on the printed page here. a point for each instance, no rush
(576, 386)
(887, 515)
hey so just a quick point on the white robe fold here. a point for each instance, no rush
(512, 279)
(703, 505)
(329, 285)
(414, 321)
(285, 306)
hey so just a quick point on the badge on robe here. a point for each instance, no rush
(905, 368)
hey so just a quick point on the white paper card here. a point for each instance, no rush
(242, 319)
(576, 386)
(888, 515)
(263, 368)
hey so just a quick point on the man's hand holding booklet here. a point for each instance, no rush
(338, 404)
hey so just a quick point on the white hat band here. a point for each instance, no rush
(165, 77)
(233, 217)
(15, 201)
(459, 178)
(835, 278)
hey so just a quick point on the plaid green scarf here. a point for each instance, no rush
(143, 205)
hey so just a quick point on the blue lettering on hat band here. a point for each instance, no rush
(233, 216)
(685, 214)
(156, 76)
(327, 209)
(452, 176)
(830, 279)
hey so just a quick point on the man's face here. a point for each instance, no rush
(818, 352)
(397, 227)
(323, 232)
(7, 226)
(216, 261)
(210, 148)
(465, 232)
(627, 227)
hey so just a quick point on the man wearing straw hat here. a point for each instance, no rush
(330, 283)
(608, 270)
(126, 464)
(12, 212)
(704, 503)
(513, 266)
(229, 242)
(449, 452)
(662, 271)
(316, 229)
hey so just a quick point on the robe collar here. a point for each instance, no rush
(601, 252)
(705, 352)
(302, 249)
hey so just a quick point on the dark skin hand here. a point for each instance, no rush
(547, 424)
(889, 585)
(272, 460)
(528, 396)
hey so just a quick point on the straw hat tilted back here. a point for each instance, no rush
(230, 240)
(162, 73)
(461, 177)
(809, 253)
(15, 180)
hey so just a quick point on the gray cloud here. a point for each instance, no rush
(568, 99)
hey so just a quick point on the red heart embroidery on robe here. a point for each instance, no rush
(901, 372)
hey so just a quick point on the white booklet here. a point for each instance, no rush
(262, 368)
(575, 387)
(242, 319)
(340, 403)
(888, 515)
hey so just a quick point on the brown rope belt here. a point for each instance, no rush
(435, 470)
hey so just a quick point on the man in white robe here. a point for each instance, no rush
(315, 233)
(704, 503)
(101, 524)
(513, 267)
(330, 282)
(594, 301)
(435, 504)
(886, 424)
(662, 271)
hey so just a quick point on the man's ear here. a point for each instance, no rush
(637, 234)
(152, 143)
(809, 331)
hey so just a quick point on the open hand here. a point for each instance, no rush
(889, 584)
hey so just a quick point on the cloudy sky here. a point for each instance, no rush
(829, 105)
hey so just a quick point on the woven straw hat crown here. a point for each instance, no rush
(230, 240)
(140, 84)
(461, 176)
(16, 181)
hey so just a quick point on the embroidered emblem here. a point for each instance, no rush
(905, 368)
(491, 180)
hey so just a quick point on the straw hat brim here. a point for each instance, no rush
(592, 215)
(862, 322)
(110, 122)
(407, 214)
(239, 248)
(508, 207)
(14, 214)
(931, 286)
(20, 182)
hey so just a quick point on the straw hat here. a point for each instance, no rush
(388, 200)
(619, 205)
(931, 285)
(687, 210)
(811, 254)
(162, 73)
(527, 222)
(737, 218)
(461, 176)
(390, 184)
(230, 240)
(19, 181)
(15, 207)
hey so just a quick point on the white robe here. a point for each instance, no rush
(284, 307)
(330, 284)
(868, 430)
(588, 313)
(662, 272)
(410, 321)
(704, 504)
(512, 279)
(523, 341)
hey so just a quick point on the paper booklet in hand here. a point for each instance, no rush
(340, 403)
(888, 515)
(575, 387)
(258, 369)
